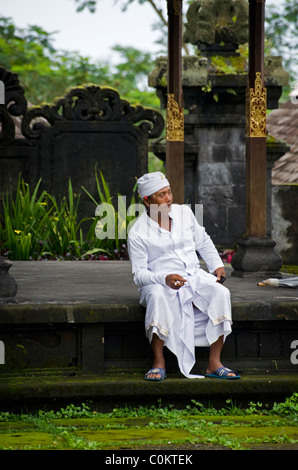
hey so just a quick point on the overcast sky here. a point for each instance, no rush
(92, 35)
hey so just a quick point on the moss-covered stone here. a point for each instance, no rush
(162, 431)
(217, 21)
(194, 72)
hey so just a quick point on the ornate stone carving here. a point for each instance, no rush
(91, 103)
(15, 104)
(256, 106)
(194, 72)
(175, 120)
(217, 21)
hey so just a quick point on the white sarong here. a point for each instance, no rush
(195, 315)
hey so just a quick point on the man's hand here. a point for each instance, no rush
(220, 272)
(175, 281)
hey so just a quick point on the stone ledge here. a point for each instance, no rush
(116, 389)
(69, 313)
(21, 314)
(88, 315)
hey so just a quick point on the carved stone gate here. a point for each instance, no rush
(90, 126)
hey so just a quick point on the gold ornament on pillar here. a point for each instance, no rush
(175, 120)
(256, 107)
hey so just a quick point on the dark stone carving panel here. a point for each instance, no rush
(91, 126)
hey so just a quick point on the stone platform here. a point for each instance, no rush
(77, 332)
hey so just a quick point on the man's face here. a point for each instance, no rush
(160, 201)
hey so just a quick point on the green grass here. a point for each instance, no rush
(151, 427)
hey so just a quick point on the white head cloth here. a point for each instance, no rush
(150, 183)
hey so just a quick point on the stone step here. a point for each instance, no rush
(87, 315)
(76, 333)
(128, 388)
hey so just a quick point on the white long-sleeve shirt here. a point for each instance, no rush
(154, 252)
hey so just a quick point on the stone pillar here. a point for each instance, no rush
(275, 150)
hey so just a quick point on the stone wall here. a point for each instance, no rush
(285, 221)
(221, 179)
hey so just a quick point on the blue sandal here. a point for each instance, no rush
(156, 370)
(222, 373)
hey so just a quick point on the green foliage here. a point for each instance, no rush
(46, 73)
(292, 269)
(81, 427)
(282, 31)
(65, 235)
(23, 222)
(90, 4)
(114, 218)
(281, 27)
(234, 65)
(70, 412)
(39, 227)
(287, 408)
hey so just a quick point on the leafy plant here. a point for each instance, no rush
(24, 226)
(37, 227)
(65, 235)
(288, 408)
(81, 427)
(115, 220)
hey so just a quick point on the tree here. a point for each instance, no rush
(281, 28)
(46, 73)
(282, 33)
(43, 71)
(159, 6)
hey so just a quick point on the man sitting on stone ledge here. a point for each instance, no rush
(185, 306)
